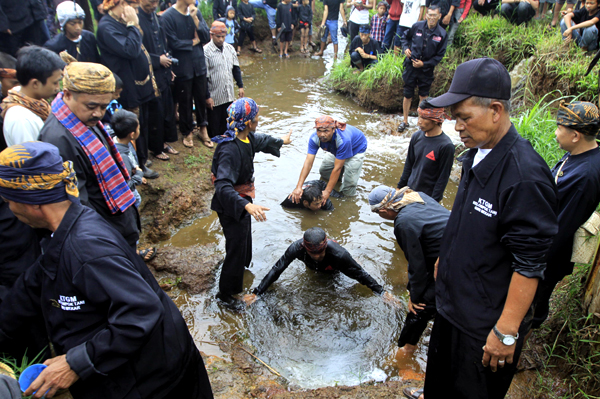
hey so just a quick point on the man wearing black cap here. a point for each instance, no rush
(494, 247)
(424, 45)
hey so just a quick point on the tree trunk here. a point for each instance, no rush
(592, 287)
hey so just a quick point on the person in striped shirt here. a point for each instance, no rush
(378, 22)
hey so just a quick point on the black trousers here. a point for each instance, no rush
(249, 31)
(238, 252)
(188, 93)
(141, 144)
(194, 384)
(454, 368)
(156, 126)
(353, 29)
(170, 122)
(36, 33)
(217, 120)
(487, 8)
(415, 324)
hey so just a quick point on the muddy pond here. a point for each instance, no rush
(316, 330)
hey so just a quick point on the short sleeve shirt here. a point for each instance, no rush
(333, 9)
(410, 12)
(343, 145)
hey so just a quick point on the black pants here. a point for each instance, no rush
(356, 60)
(416, 77)
(415, 324)
(249, 31)
(194, 384)
(170, 122)
(487, 8)
(353, 30)
(141, 144)
(188, 93)
(517, 13)
(156, 127)
(217, 120)
(238, 252)
(454, 368)
(36, 33)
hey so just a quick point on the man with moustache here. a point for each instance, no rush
(73, 126)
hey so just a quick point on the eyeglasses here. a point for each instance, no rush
(432, 16)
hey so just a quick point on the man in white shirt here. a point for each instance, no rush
(25, 109)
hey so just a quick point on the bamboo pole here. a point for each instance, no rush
(591, 300)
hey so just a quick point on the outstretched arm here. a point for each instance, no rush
(297, 193)
(333, 178)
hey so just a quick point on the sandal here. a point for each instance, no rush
(207, 142)
(162, 156)
(403, 127)
(287, 55)
(147, 254)
(171, 150)
(256, 50)
(412, 392)
(188, 142)
(237, 52)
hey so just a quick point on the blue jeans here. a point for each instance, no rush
(331, 27)
(589, 38)
(271, 12)
(390, 33)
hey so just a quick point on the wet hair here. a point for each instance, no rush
(314, 235)
(118, 82)
(34, 62)
(435, 7)
(486, 102)
(311, 194)
(124, 123)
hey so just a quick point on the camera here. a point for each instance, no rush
(174, 60)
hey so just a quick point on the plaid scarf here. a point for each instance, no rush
(39, 107)
(111, 175)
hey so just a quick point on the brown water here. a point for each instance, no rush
(316, 330)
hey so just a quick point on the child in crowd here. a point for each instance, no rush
(285, 23)
(378, 22)
(247, 15)
(113, 106)
(232, 27)
(363, 50)
(458, 16)
(582, 26)
(305, 16)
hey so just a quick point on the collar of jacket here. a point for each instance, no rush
(52, 246)
(485, 168)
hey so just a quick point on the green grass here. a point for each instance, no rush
(192, 161)
(388, 70)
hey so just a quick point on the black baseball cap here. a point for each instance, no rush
(481, 77)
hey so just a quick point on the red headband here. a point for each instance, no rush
(218, 28)
(315, 248)
(435, 114)
(8, 73)
(327, 121)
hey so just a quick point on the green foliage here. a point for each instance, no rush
(387, 71)
(192, 161)
(206, 10)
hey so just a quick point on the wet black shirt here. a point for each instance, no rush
(284, 17)
(425, 44)
(503, 220)
(428, 164)
(86, 50)
(336, 259)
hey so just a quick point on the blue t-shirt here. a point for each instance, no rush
(343, 145)
(230, 38)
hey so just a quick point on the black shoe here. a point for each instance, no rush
(403, 127)
(149, 173)
(148, 163)
(231, 302)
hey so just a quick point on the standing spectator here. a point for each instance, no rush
(495, 244)
(305, 17)
(121, 50)
(79, 43)
(331, 14)
(270, 7)
(220, 8)
(22, 22)
(232, 27)
(25, 108)
(430, 155)
(412, 12)
(285, 23)
(74, 128)
(582, 25)
(557, 10)
(223, 68)
(187, 32)
(363, 50)
(359, 15)
(459, 15)
(519, 12)
(487, 7)
(378, 22)
(8, 80)
(247, 15)
(162, 126)
(447, 8)
(391, 28)
(577, 177)
(424, 46)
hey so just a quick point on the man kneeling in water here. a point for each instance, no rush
(323, 255)
(312, 197)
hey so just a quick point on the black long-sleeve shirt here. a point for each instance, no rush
(428, 164)
(427, 45)
(155, 41)
(419, 229)
(180, 30)
(246, 10)
(336, 259)
(284, 17)
(86, 50)
(220, 8)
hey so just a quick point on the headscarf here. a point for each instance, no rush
(218, 28)
(68, 11)
(579, 115)
(239, 114)
(384, 197)
(39, 107)
(7, 73)
(437, 115)
(327, 121)
(364, 29)
(89, 78)
(34, 173)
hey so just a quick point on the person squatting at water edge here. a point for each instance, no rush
(419, 223)
(321, 254)
(494, 248)
(233, 177)
(345, 148)
(115, 332)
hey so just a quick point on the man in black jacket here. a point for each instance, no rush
(115, 332)
(424, 45)
(22, 22)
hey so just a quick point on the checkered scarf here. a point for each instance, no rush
(111, 175)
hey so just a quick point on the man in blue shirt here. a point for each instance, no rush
(345, 148)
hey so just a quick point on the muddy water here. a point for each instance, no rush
(316, 330)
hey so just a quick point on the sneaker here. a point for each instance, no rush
(231, 302)
(150, 174)
(403, 127)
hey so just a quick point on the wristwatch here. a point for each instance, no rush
(506, 339)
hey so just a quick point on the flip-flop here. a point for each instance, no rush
(208, 143)
(162, 156)
(189, 143)
(256, 50)
(147, 254)
(171, 150)
(412, 392)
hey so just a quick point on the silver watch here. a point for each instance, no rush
(506, 339)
